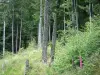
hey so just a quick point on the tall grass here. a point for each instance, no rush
(15, 64)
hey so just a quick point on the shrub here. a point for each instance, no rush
(83, 44)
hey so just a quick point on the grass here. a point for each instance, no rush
(86, 44)
(83, 44)
(15, 64)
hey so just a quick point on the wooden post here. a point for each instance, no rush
(81, 64)
(26, 67)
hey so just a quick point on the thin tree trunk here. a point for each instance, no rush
(90, 13)
(76, 12)
(20, 40)
(64, 19)
(73, 13)
(64, 24)
(31, 36)
(49, 33)
(13, 31)
(42, 35)
(4, 37)
(53, 38)
(40, 27)
(50, 17)
(17, 39)
(45, 35)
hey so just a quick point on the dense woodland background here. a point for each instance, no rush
(65, 34)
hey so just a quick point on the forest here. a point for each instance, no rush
(50, 37)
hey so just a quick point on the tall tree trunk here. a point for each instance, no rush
(13, 31)
(50, 17)
(53, 38)
(17, 39)
(76, 13)
(49, 33)
(4, 37)
(64, 24)
(40, 27)
(42, 35)
(45, 33)
(64, 19)
(90, 13)
(73, 13)
(31, 36)
(20, 39)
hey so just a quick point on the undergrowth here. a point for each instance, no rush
(85, 44)
(71, 46)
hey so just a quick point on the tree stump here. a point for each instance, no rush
(26, 67)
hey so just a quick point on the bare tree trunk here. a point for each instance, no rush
(90, 13)
(53, 38)
(64, 20)
(42, 35)
(20, 39)
(49, 33)
(17, 39)
(76, 12)
(31, 36)
(50, 17)
(45, 35)
(13, 31)
(64, 24)
(73, 13)
(4, 37)
(40, 27)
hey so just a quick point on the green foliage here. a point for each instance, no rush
(70, 44)
(83, 44)
(77, 44)
(91, 65)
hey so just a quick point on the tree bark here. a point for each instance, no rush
(17, 39)
(50, 17)
(20, 40)
(45, 33)
(4, 37)
(76, 13)
(53, 38)
(64, 20)
(40, 27)
(73, 13)
(49, 33)
(90, 14)
(13, 31)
